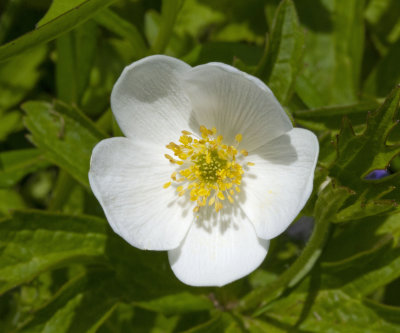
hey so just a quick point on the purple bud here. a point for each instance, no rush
(377, 174)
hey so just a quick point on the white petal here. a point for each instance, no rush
(127, 178)
(279, 184)
(218, 249)
(235, 102)
(148, 100)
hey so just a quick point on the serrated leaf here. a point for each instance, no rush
(358, 155)
(65, 22)
(64, 135)
(16, 164)
(32, 242)
(330, 199)
(282, 58)
(82, 305)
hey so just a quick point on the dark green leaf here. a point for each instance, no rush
(17, 163)
(56, 27)
(282, 58)
(222, 322)
(357, 155)
(82, 305)
(32, 242)
(65, 136)
(177, 304)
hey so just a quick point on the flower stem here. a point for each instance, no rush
(329, 201)
(61, 192)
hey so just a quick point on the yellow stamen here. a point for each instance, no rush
(209, 168)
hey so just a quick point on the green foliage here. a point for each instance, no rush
(333, 64)
(64, 134)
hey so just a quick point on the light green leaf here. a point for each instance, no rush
(169, 13)
(177, 304)
(259, 326)
(16, 164)
(64, 135)
(81, 306)
(18, 76)
(10, 122)
(10, 200)
(57, 8)
(195, 17)
(123, 29)
(32, 242)
(282, 58)
(56, 27)
(333, 52)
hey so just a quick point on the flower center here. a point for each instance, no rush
(209, 170)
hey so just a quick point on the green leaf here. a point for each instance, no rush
(259, 326)
(10, 200)
(330, 117)
(169, 13)
(333, 52)
(328, 203)
(123, 29)
(59, 7)
(63, 23)
(10, 122)
(386, 74)
(329, 311)
(222, 322)
(32, 242)
(18, 76)
(76, 52)
(82, 305)
(358, 155)
(64, 135)
(16, 164)
(282, 58)
(177, 304)
(383, 18)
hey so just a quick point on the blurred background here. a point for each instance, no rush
(329, 63)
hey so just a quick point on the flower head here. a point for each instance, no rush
(210, 169)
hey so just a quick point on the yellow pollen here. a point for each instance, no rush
(210, 170)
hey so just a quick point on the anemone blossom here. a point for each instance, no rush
(210, 168)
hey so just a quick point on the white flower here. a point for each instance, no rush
(210, 169)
